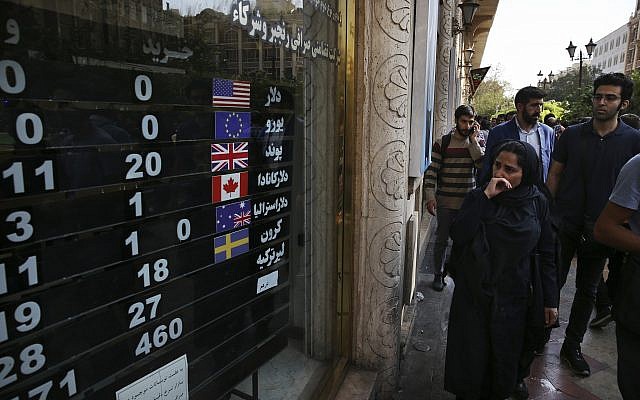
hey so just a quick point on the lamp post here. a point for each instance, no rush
(572, 51)
(542, 83)
(469, 9)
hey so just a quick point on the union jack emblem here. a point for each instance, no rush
(242, 219)
(229, 156)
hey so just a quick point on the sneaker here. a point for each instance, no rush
(602, 319)
(520, 392)
(573, 357)
(438, 283)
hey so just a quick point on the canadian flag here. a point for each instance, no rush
(230, 186)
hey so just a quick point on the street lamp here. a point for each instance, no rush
(572, 51)
(469, 9)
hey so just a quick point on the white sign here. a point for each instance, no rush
(267, 282)
(166, 383)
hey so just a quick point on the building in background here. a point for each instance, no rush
(218, 196)
(609, 54)
(632, 59)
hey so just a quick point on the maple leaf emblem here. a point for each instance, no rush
(231, 186)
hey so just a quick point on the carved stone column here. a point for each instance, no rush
(383, 96)
(442, 122)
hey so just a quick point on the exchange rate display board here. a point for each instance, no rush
(145, 206)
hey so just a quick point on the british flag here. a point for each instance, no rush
(242, 219)
(229, 156)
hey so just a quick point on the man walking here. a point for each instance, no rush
(612, 229)
(524, 126)
(449, 178)
(586, 161)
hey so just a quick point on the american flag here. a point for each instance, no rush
(228, 93)
(228, 156)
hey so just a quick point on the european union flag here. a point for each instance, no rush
(234, 215)
(231, 245)
(233, 125)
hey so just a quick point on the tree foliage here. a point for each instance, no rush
(575, 100)
(491, 98)
(635, 98)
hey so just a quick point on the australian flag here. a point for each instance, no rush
(228, 156)
(234, 215)
(231, 245)
(233, 125)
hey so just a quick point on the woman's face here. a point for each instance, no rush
(506, 166)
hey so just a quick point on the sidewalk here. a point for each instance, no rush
(422, 368)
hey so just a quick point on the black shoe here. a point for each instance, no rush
(520, 392)
(602, 318)
(573, 357)
(438, 283)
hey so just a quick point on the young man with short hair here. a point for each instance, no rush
(449, 178)
(586, 161)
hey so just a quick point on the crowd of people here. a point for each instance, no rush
(520, 199)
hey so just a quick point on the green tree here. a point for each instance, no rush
(575, 100)
(491, 97)
(635, 98)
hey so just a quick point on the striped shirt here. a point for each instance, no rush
(449, 181)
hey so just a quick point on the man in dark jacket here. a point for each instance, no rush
(586, 162)
(524, 126)
(623, 207)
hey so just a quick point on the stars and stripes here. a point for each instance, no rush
(229, 156)
(230, 93)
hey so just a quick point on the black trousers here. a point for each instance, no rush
(628, 362)
(591, 259)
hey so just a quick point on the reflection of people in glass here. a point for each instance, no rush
(199, 124)
(111, 127)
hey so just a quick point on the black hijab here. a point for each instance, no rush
(531, 184)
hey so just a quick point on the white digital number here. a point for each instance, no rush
(30, 266)
(13, 29)
(152, 165)
(27, 315)
(132, 240)
(143, 87)
(32, 360)
(183, 229)
(149, 127)
(43, 390)
(160, 337)
(160, 272)
(24, 228)
(16, 173)
(137, 309)
(46, 169)
(29, 136)
(19, 81)
(136, 202)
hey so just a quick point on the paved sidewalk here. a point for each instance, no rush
(422, 368)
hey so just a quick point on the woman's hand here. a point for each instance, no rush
(550, 316)
(496, 186)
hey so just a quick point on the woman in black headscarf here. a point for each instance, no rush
(505, 277)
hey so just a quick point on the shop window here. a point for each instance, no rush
(173, 187)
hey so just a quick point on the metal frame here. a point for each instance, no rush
(254, 389)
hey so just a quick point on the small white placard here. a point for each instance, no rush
(267, 282)
(166, 383)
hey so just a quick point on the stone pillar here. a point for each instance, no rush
(442, 121)
(380, 176)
